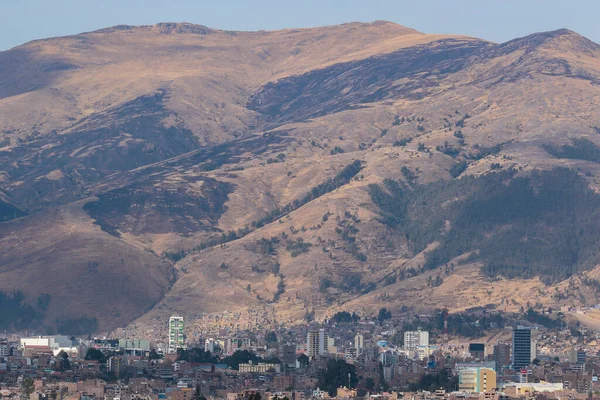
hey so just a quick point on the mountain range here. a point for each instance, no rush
(148, 170)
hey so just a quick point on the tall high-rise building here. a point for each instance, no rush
(316, 343)
(230, 346)
(502, 355)
(209, 345)
(523, 347)
(415, 339)
(287, 354)
(4, 348)
(359, 343)
(575, 356)
(176, 335)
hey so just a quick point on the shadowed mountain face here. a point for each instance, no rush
(345, 167)
(412, 73)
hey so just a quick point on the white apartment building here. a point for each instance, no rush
(134, 345)
(317, 343)
(415, 339)
(209, 345)
(359, 343)
(176, 333)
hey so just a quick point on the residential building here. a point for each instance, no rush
(331, 347)
(209, 345)
(359, 343)
(176, 333)
(458, 367)
(4, 348)
(502, 355)
(287, 354)
(477, 380)
(415, 339)
(134, 345)
(317, 343)
(259, 368)
(230, 346)
(283, 382)
(180, 394)
(523, 347)
(350, 355)
(423, 352)
(577, 356)
(116, 365)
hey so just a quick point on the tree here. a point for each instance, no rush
(27, 387)
(433, 382)
(95, 355)
(154, 355)
(271, 339)
(338, 373)
(197, 355)
(303, 360)
(255, 396)
(383, 315)
(63, 361)
(240, 357)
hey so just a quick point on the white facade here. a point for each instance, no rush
(317, 343)
(424, 352)
(359, 343)
(55, 343)
(134, 344)
(524, 388)
(413, 340)
(209, 345)
(176, 335)
(230, 346)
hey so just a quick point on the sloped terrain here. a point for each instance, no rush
(63, 255)
(344, 167)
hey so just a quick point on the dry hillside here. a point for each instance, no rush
(262, 166)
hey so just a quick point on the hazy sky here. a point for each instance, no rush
(496, 20)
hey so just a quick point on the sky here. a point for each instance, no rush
(495, 20)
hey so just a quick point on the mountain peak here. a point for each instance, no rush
(166, 28)
(569, 40)
(186, 27)
(560, 39)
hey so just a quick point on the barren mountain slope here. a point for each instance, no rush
(256, 157)
(519, 114)
(86, 272)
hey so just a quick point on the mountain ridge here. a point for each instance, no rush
(216, 158)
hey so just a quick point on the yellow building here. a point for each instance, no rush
(477, 380)
(260, 368)
(345, 393)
